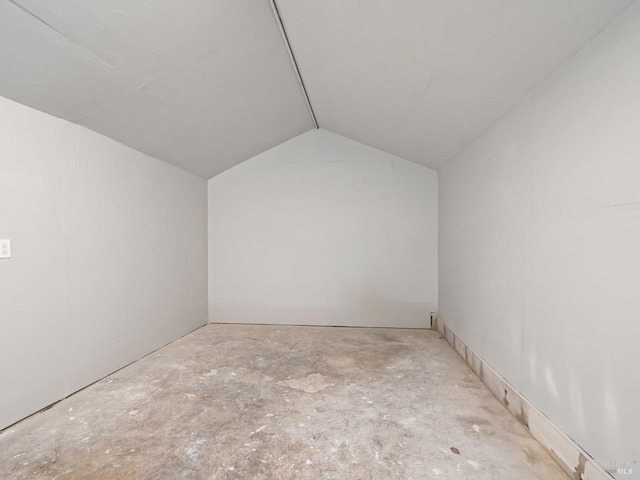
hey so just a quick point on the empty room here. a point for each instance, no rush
(319, 239)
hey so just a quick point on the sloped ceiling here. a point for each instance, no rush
(202, 84)
(422, 78)
(207, 84)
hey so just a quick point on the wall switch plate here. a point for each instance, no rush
(5, 248)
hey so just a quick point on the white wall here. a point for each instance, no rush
(109, 257)
(540, 245)
(323, 230)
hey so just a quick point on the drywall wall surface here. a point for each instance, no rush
(539, 235)
(322, 230)
(109, 257)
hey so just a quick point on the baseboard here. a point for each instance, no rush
(572, 459)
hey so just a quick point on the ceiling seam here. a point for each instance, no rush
(294, 63)
(158, 78)
(73, 42)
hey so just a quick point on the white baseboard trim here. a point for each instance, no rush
(572, 459)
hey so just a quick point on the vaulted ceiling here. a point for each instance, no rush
(207, 84)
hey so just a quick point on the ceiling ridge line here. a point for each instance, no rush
(294, 63)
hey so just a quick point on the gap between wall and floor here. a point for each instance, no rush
(573, 460)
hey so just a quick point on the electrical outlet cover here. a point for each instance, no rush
(5, 248)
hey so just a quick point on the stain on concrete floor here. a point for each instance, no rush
(312, 383)
(273, 402)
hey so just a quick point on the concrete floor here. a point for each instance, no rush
(267, 402)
